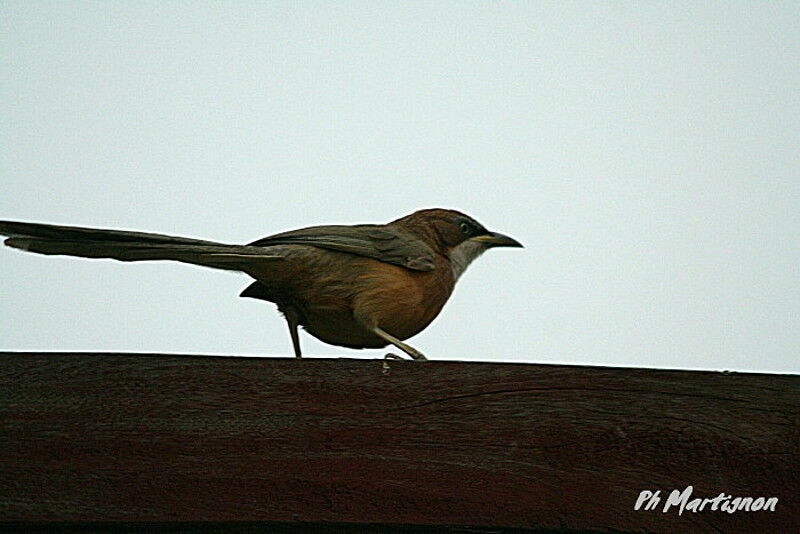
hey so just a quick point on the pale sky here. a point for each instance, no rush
(646, 153)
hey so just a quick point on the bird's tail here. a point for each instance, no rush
(129, 246)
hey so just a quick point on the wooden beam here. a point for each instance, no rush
(132, 438)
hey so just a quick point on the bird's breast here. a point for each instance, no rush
(335, 291)
(401, 301)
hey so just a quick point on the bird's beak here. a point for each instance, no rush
(493, 239)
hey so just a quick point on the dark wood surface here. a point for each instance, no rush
(132, 437)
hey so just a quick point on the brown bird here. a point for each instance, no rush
(361, 286)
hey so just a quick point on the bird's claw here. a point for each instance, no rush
(418, 356)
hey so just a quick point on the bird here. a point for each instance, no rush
(357, 286)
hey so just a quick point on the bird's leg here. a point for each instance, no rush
(292, 320)
(411, 351)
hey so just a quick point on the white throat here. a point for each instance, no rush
(464, 254)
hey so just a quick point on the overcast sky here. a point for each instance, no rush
(647, 155)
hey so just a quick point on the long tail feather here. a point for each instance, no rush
(129, 246)
(75, 233)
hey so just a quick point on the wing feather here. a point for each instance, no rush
(386, 244)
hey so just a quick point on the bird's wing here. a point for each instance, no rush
(390, 245)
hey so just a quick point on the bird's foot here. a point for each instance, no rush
(416, 355)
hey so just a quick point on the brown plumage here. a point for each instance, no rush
(361, 286)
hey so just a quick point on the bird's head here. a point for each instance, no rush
(454, 235)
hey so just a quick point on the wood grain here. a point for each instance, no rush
(132, 437)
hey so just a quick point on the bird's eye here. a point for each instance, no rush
(465, 227)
